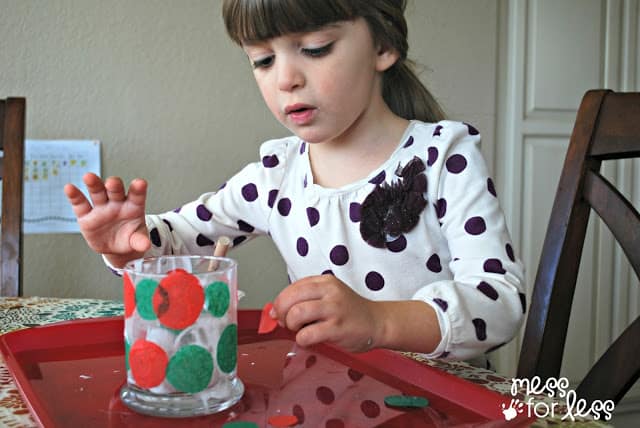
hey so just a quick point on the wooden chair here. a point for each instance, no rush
(12, 124)
(607, 127)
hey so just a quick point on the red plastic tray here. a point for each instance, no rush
(70, 374)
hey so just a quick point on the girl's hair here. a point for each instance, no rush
(406, 96)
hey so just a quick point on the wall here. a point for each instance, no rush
(173, 100)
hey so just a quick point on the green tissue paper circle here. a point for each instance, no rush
(227, 352)
(144, 295)
(217, 298)
(190, 369)
(127, 347)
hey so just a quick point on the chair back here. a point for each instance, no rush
(12, 125)
(607, 127)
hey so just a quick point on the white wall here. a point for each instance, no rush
(173, 100)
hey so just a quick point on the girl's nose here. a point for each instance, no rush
(290, 75)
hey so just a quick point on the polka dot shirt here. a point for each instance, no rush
(458, 258)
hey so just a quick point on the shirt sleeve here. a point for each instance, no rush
(482, 307)
(240, 209)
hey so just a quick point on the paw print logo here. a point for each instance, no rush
(514, 409)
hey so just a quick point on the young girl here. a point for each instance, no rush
(384, 213)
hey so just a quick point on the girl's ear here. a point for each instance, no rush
(387, 56)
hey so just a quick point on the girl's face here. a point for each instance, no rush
(325, 84)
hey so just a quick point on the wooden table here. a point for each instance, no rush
(20, 313)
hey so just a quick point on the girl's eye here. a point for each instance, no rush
(263, 62)
(318, 52)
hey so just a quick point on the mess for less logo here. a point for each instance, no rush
(553, 388)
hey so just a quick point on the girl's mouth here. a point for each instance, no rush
(300, 114)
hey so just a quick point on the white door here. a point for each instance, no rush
(551, 52)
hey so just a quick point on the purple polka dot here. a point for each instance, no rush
(327, 272)
(442, 303)
(222, 186)
(397, 245)
(475, 226)
(481, 328)
(245, 227)
(250, 192)
(509, 249)
(284, 206)
(436, 132)
(354, 375)
(339, 255)
(374, 281)
(355, 210)
(445, 354)
(154, 235)
(491, 187)
(270, 161)
(433, 264)
(493, 266)
(203, 241)
(298, 412)
(325, 395)
(168, 224)
(239, 240)
(408, 143)
(203, 213)
(303, 147)
(313, 215)
(304, 182)
(378, 178)
(523, 302)
(456, 164)
(177, 210)
(432, 156)
(370, 409)
(273, 194)
(486, 289)
(441, 207)
(302, 246)
(310, 361)
(472, 130)
(334, 423)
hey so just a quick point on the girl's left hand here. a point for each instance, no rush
(324, 309)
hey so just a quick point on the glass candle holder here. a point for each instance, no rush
(181, 335)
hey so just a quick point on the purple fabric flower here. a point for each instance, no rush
(393, 209)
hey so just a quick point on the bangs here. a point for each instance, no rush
(257, 20)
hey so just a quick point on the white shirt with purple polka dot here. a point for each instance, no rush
(458, 258)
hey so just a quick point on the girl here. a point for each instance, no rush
(384, 213)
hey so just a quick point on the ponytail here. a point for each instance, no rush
(406, 96)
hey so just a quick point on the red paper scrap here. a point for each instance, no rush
(267, 324)
(283, 420)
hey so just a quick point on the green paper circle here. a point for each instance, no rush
(144, 294)
(190, 369)
(217, 298)
(127, 348)
(240, 424)
(227, 352)
(405, 401)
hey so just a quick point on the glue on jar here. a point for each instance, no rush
(181, 335)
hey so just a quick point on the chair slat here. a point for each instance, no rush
(619, 215)
(12, 130)
(618, 133)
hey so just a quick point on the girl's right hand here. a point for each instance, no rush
(113, 223)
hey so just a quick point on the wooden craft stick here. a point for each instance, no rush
(220, 250)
